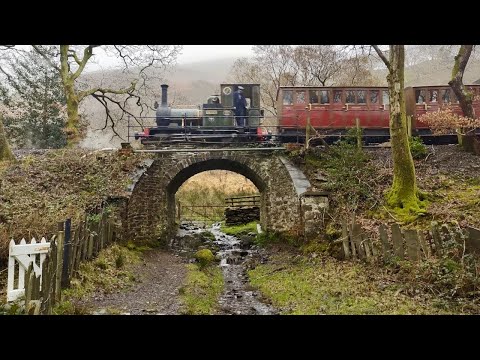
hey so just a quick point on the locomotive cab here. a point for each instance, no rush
(252, 95)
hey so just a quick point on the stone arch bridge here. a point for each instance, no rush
(288, 203)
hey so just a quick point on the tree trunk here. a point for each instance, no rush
(73, 119)
(403, 193)
(71, 130)
(5, 151)
(464, 96)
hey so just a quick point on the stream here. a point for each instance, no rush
(238, 298)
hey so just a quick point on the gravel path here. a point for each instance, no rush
(155, 292)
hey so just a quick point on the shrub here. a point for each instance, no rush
(417, 148)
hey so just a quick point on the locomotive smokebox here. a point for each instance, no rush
(164, 95)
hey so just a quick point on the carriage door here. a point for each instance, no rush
(421, 106)
(385, 108)
(320, 112)
(300, 111)
(375, 110)
(337, 110)
(360, 110)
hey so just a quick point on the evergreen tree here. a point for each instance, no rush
(34, 104)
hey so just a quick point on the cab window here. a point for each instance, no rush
(433, 95)
(287, 97)
(373, 96)
(256, 96)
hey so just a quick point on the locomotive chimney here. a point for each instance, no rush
(164, 95)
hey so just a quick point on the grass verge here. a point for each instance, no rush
(109, 272)
(202, 290)
(299, 285)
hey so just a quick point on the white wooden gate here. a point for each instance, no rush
(24, 254)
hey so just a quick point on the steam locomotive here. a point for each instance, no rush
(331, 111)
(211, 122)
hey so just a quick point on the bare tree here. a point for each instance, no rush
(70, 62)
(355, 71)
(403, 193)
(465, 97)
(317, 64)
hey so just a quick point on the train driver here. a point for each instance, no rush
(240, 104)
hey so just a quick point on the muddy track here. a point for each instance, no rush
(155, 292)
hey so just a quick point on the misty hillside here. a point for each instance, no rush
(191, 84)
(435, 73)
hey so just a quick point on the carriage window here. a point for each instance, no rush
(337, 96)
(324, 98)
(385, 97)
(433, 95)
(373, 96)
(361, 97)
(313, 95)
(350, 97)
(446, 96)
(300, 97)
(420, 96)
(287, 97)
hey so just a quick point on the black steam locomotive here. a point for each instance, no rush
(212, 122)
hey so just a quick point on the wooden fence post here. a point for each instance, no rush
(424, 245)
(397, 241)
(66, 254)
(384, 239)
(411, 239)
(59, 267)
(357, 239)
(359, 134)
(345, 241)
(437, 240)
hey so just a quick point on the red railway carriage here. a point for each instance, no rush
(333, 109)
(422, 99)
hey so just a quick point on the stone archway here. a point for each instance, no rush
(215, 164)
(284, 207)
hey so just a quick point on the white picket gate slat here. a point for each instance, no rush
(24, 254)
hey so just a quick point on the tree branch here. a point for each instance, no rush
(42, 53)
(382, 56)
(87, 54)
(104, 91)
